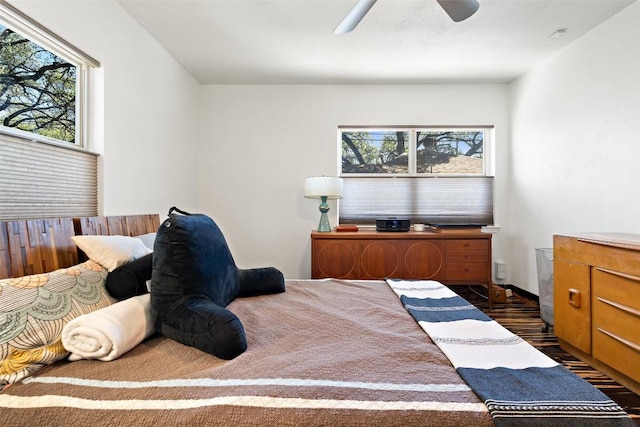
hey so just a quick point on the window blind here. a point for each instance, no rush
(40, 180)
(459, 200)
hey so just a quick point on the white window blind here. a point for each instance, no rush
(453, 200)
(40, 180)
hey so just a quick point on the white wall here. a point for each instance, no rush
(238, 153)
(258, 143)
(576, 143)
(142, 111)
(566, 141)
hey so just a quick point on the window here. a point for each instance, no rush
(436, 175)
(44, 172)
(450, 151)
(457, 151)
(375, 151)
(43, 80)
(38, 88)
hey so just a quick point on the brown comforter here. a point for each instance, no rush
(327, 353)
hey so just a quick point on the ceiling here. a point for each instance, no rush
(397, 42)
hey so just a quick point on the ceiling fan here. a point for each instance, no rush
(458, 10)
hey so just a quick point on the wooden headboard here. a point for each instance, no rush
(133, 225)
(42, 245)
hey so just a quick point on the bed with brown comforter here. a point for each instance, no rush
(325, 352)
(322, 353)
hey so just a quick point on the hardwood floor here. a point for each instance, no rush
(522, 317)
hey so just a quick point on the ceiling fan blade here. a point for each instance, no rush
(355, 15)
(459, 10)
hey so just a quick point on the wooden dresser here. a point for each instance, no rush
(597, 301)
(450, 256)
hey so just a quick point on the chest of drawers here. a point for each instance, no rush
(597, 302)
(450, 257)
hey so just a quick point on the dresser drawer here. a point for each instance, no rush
(466, 245)
(456, 255)
(467, 272)
(617, 347)
(617, 287)
(616, 320)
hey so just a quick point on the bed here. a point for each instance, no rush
(325, 352)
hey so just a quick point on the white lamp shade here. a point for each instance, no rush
(317, 186)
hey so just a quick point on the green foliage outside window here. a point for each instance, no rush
(375, 152)
(413, 151)
(449, 151)
(37, 89)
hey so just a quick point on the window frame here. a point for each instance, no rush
(23, 25)
(44, 177)
(466, 208)
(487, 147)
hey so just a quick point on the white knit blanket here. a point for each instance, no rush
(108, 333)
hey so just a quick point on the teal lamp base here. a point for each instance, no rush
(324, 226)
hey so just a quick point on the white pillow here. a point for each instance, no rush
(111, 251)
(148, 239)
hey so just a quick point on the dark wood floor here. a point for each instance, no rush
(522, 317)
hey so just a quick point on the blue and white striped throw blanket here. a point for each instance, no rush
(519, 385)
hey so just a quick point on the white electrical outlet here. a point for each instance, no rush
(501, 270)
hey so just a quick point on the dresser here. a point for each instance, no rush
(597, 301)
(449, 256)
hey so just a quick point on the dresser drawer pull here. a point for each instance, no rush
(621, 340)
(575, 298)
(619, 306)
(619, 274)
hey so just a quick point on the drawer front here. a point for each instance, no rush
(471, 255)
(617, 287)
(467, 244)
(467, 272)
(380, 259)
(333, 259)
(616, 321)
(423, 259)
(617, 342)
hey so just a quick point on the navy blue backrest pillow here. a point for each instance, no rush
(130, 279)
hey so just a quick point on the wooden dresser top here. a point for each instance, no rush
(465, 233)
(623, 240)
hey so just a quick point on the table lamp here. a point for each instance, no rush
(323, 188)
